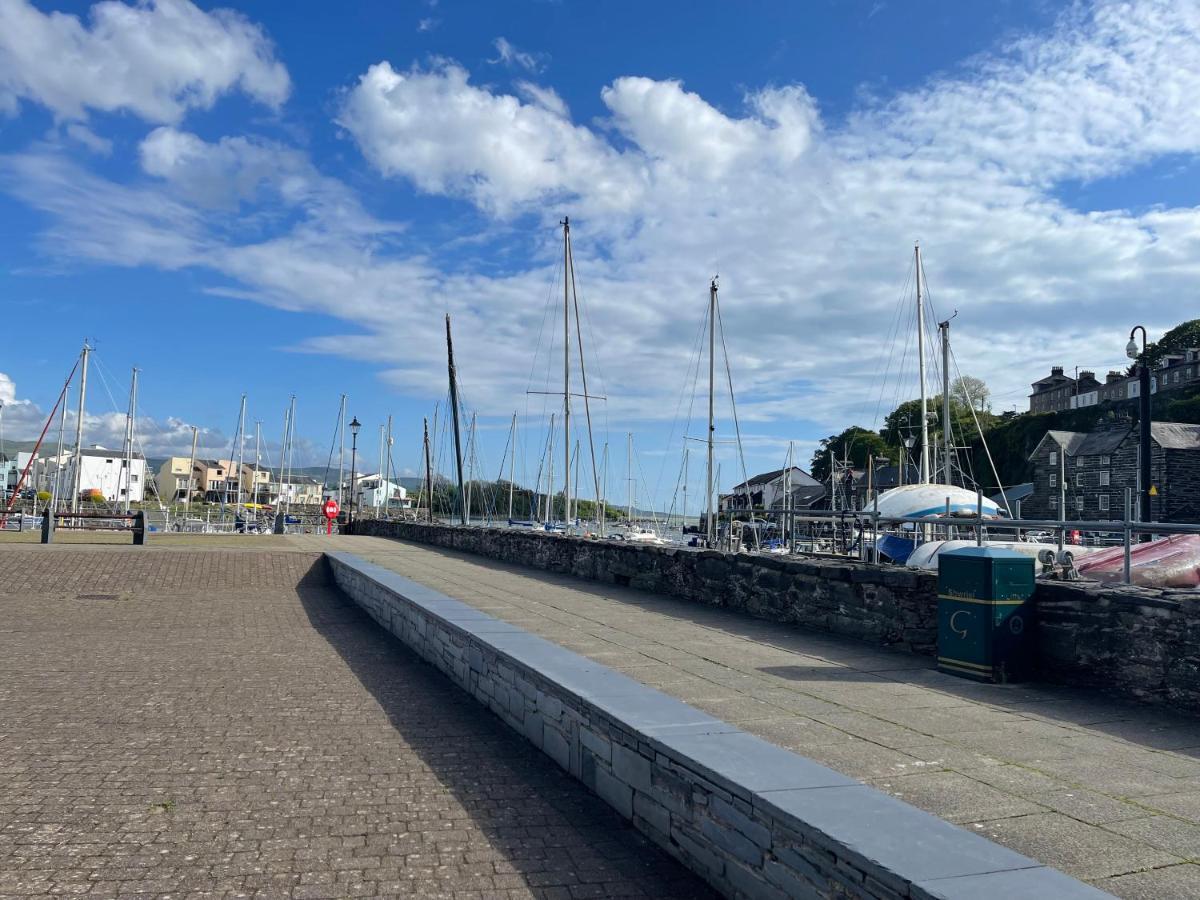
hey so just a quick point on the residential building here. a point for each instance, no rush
(106, 471)
(1097, 467)
(1059, 391)
(217, 479)
(766, 491)
(376, 491)
(174, 480)
(256, 483)
(295, 490)
(1012, 498)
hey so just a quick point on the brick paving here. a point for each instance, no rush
(1104, 790)
(221, 723)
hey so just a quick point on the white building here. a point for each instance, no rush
(374, 490)
(105, 471)
(766, 491)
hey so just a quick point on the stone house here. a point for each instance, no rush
(766, 490)
(1099, 465)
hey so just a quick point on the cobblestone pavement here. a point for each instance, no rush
(1106, 791)
(222, 723)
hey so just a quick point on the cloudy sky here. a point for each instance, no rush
(277, 200)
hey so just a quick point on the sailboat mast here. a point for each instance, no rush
(921, 364)
(341, 447)
(187, 503)
(129, 417)
(391, 440)
(428, 473)
(462, 510)
(566, 226)
(629, 474)
(512, 460)
(257, 457)
(241, 448)
(947, 434)
(710, 532)
(470, 465)
(78, 473)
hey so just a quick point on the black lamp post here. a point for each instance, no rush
(354, 426)
(1131, 350)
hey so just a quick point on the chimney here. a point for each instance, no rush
(1112, 376)
(1085, 375)
(1056, 370)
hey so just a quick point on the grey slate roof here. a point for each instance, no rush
(1176, 435)
(1013, 494)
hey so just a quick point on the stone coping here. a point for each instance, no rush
(754, 819)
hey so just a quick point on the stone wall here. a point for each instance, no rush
(753, 819)
(882, 604)
(1137, 642)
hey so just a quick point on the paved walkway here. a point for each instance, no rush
(1105, 791)
(222, 723)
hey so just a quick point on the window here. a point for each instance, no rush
(1054, 457)
(1103, 498)
(133, 479)
(1053, 480)
(1078, 479)
(1104, 476)
(1054, 503)
(1106, 461)
(1079, 502)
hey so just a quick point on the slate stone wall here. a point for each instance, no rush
(882, 604)
(1138, 642)
(753, 819)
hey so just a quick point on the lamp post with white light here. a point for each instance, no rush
(354, 426)
(1143, 361)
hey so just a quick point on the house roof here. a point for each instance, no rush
(889, 476)
(1067, 440)
(1012, 494)
(808, 494)
(1101, 442)
(107, 454)
(1176, 435)
(767, 477)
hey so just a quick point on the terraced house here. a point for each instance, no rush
(1095, 468)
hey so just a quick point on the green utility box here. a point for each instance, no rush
(985, 614)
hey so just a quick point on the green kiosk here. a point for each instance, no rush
(985, 614)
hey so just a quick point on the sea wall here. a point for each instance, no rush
(756, 821)
(881, 604)
(1138, 642)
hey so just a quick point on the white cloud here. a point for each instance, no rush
(156, 59)
(809, 222)
(545, 97)
(510, 55)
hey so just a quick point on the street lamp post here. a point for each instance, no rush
(354, 426)
(1131, 350)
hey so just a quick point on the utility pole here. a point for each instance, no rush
(129, 434)
(462, 510)
(428, 473)
(1144, 432)
(710, 532)
(75, 484)
(921, 366)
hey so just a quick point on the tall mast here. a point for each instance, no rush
(379, 486)
(291, 439)
(287, 420)
(512, 465)
(78, 473)
(575, 499)
(257, 458)
(947, 436)
(57, 486)
(921, 364)
(387, 503)
(566, 225)
(462, 510)
(129, 417)
(550, 474)
(241, 448)
(470, 465)
(629, 474)
(710, 532)
(341, 447)
(603, 489)
(685, 482)
(187, 503)
(428, 474)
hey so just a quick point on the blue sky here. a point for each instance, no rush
(278, 200)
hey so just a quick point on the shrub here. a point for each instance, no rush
(43, 496)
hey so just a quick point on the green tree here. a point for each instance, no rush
(856, 443)
(1180, 338)
(970, 392)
